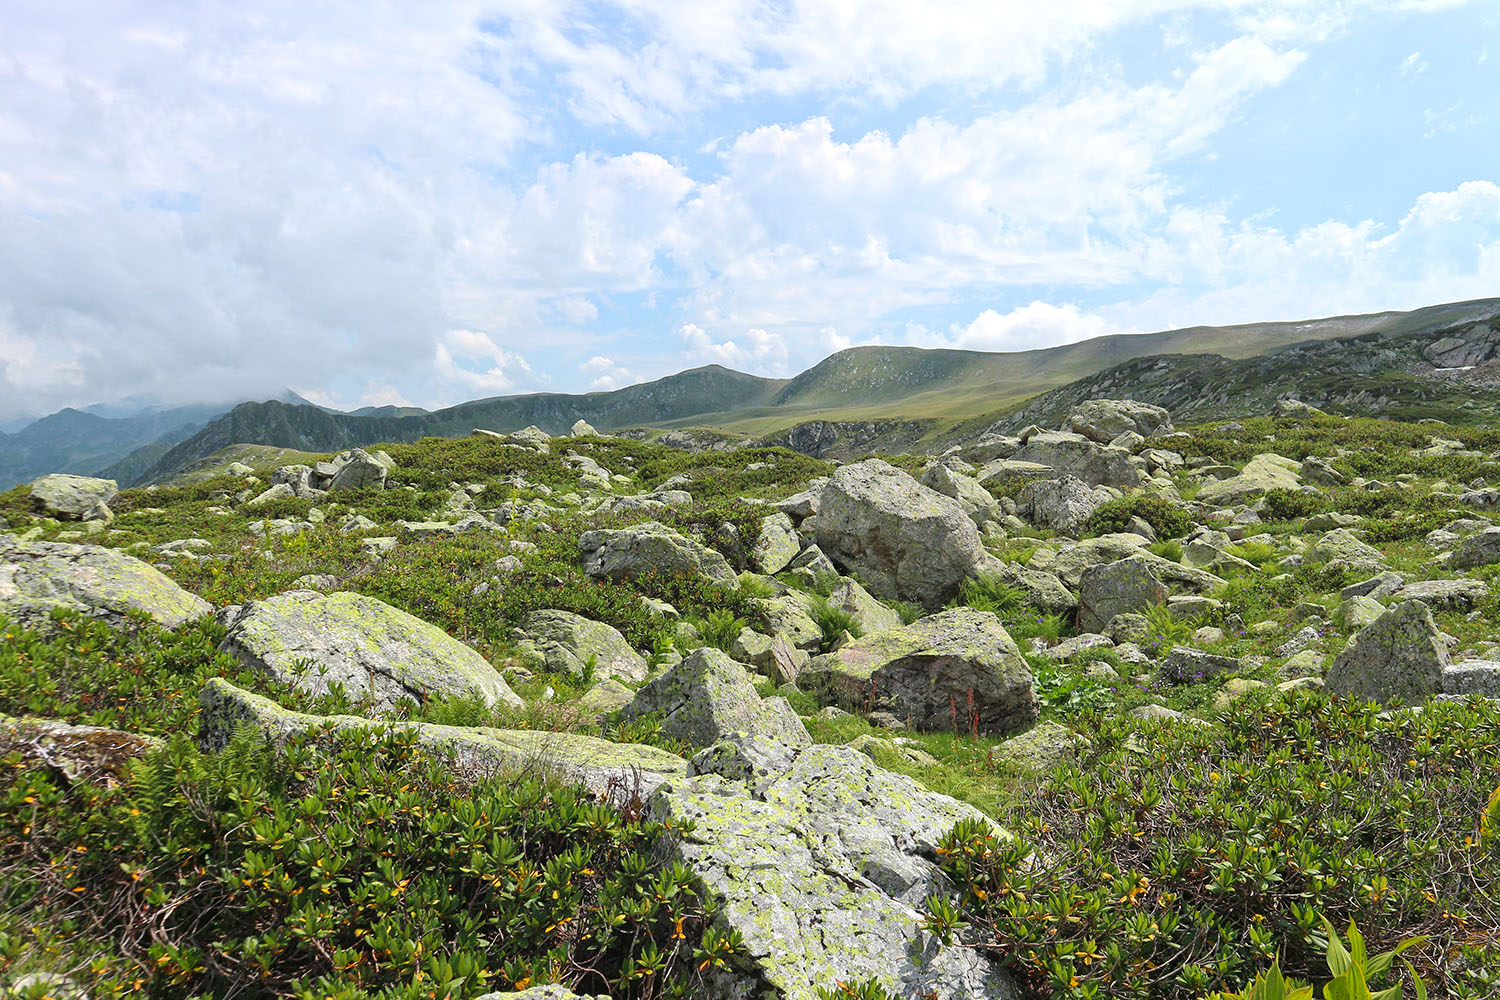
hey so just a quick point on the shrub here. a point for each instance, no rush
(1170, 550)
(1166, 517)
(1289, 505)
(990, 593)
(719, 628)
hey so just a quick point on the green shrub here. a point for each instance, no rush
(1167, 518)
(1170, 550)
(990, 593)
(719, 628)
(1289, 505)
(1352, 968)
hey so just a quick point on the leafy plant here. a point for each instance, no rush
(1167, 518)
(833, 622)
(719, 628)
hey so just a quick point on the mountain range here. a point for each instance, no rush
(864, 398)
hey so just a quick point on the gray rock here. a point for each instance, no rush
(1481, 549)
(1075, 646)
(607, 696)
(1075, 455)
(1356, 612)
(790, 617)
(74, 498)
(359, 470)
(708, 697)
(1061, 504)
(958, 668)
(1400, 657)
(280, 491)
(1184, 664)
(1043, 590)
(777, 545)
(975, 500)
(1445, 595)
(1103, 420)
(473, 752)
(566, 643)
(904, 540)
(371, 649)
(1263, 473)
(1318, 470)
(582, 428)
(1005, 470)
(822, 873)
(36, 577)
(1481, 677)
(90, 753)
(1126, 586)
(1342, 549)
(848, 595)
(1041, 748)
(1375, 587)
(630, 553)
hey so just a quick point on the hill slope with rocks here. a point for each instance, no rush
(1117, 705)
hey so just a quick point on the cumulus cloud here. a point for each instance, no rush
(604, 373)
(477, 348)
(754, 351)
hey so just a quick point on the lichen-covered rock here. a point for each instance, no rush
(1481, 677)
(1358, 611)
(848, 595)
(572, 644)
(958, 668)
(1263, 473)
(1071, 454)
(1401, 657)
(357, 469)
(708, 697)
(1445, 595)
(1343, 549)
(1184, 664)
(777, 545)
(790, 617)
(631, 553)
(1480, 549)
(1126, 586)
(903, 539)
(477, 752)
(976, 501)
(1070, 563)
(1041, 748)
(74, 498)
(1103, 420)
(822, 872)
(36, 577)
(544, 992)
(91, 753)
(1043, 590)
(1060, 504)
(371, 649)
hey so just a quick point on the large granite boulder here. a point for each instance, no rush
(790, 617)
(1262, 474)
(708, 697)
(357, 469)
(370, 649)
(36, 577)
(475, 752)
(776, 546)
(1400, 657)
(1126, 586)
(74, 498)
(1480, 549)
(822, 866)
(977, 502)
(1066, 453)
(1061, 504)
(955, 669)
(1343, 549)
(1103, 420)
(567, 644)
(1071, 563)
(903, 539)
(633, 552)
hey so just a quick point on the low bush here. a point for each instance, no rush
(1289, 505)
(1167, 518)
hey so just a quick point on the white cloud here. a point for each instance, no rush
(755, 350)
(605, 374)
(1039, 324)
(472, 345)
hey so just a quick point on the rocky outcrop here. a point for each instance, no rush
(370, 649)
(903, 539)
(1479, 549)
(472, 753)
(572, 644)
(708, 697)
(36, 577)
(955, 669)
(74, 498)
(821, 864)
(1400, 657)
(1071, 454)
(631, 553)
(1103, 420)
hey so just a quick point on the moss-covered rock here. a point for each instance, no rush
(1401, 656)
(362, 644)
(958, 668)
(631, 553)
(74, 498)
(572, 644)
(36, 577)
(708, 697)
(602, 767)
(1262, 474)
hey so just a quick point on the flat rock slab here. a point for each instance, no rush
(821, 871)
(955, 669)
(631, 553)
(600, 766)
(371, 649)
(36, 577)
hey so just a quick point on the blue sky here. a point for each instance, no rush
(375, 204)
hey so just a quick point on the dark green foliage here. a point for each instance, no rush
(833, 622)
(351, 866)
(1174, 860)
(1167, 519)
(1289, 505)
(719, 628)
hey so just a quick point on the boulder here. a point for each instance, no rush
(707, 697)
(903, 539)
(1126, 586)
(1358, 611)
(1075, 455)
(566, 643)
(631, 553)
(582, 428)
(474, 752)
(74, 498)
(36, 577)
(1342, 549)
(1041, 748)
(1481, 549)
(1005, 470)
(976, 501)
(372, 650)
(1043, 590)
(848, 595)
(1481, 677)
(955, 669)
(1400, 657)
(1445, 595)
(1263, 473)
(1184, 664)
(359, 470)
(790, 617)
(822, 867)
(90, 753)
(777, 545)
(1103, 420)
(1061, 504)
(543, 992)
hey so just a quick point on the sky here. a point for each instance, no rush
(420, 204)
